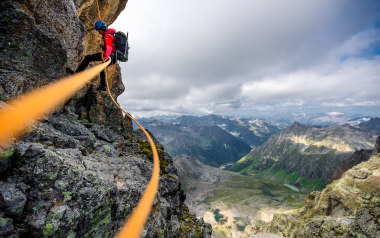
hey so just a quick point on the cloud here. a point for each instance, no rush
(363, 44)
(354, 79)
(211, 56)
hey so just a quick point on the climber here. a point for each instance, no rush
(108, 49)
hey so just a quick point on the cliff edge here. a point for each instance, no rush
(81, 171)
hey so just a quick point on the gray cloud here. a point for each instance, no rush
(354, 79)
(217, 55)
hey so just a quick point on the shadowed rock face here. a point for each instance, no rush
(356, 158)
(348, 207)
(81, 171)
(42, 40)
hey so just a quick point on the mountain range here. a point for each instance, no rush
(348, 207)
(210, 144)
(214, 140)
(254, 132)
(315, 118)
(305, 156)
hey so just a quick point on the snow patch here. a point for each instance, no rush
(335, 114)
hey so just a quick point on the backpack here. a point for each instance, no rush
(121, 46)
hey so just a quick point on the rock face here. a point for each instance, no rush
(356, 158)
(43, 40)
(81, 171)
(349, 207)
(305, 156)
(71, 178)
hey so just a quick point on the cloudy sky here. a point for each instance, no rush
(244, 56)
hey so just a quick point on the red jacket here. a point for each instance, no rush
(108, 40)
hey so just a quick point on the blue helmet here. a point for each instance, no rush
(100, 25)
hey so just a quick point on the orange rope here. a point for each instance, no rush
(136, 222)
(23, 112)
(97, 4)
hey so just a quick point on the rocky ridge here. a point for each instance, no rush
(356, 158)
(71, 178)
(348, 207)
(305, 156)
(81, 171)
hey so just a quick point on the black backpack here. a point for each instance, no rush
(121, 46)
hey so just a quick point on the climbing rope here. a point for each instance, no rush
(97, 4)
(22, 113)
(136, 222)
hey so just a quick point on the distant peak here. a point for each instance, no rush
(297, 127)
(297, 124)
(335, 114)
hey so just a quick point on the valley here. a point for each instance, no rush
(237, 196)
(231, 202)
